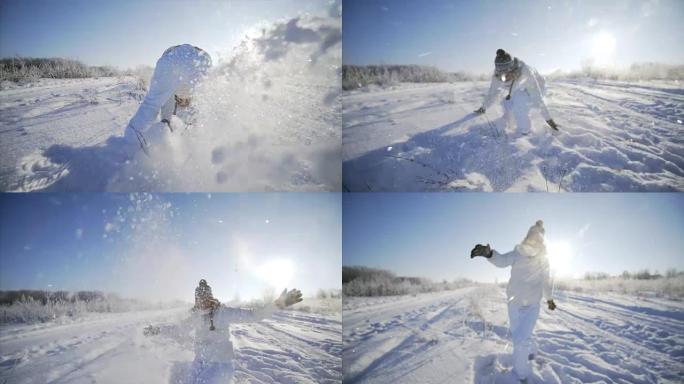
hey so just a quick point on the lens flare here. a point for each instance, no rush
(277, 272)
(603, 49)
(560, 257)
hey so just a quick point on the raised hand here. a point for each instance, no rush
(288, 298)
(481, 250)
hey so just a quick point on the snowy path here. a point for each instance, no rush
(614, 137)
(462, 336)
(102, 349)
(303, 348)
(292, 347)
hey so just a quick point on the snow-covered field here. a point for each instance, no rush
(462, 337)
(268, 119)
(615, 136)
(291, 346)
(55, 133)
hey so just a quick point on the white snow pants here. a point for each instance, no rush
(178, 71)
(517, 112)
(522, 320)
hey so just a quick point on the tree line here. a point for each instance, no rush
(366, 281)
(28, 69)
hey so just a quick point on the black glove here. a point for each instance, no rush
(480, 110)
(551, 304)
(552, 124)
(286, 298)
(481, 250)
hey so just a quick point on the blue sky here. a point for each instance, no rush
(549, 35)
(127, 33)
(159, 246)
(431, 234)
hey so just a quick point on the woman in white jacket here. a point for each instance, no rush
(529, 281)
(178, 71)
(525, 89)
(208, 330)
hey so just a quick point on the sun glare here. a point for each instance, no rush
(560, 257)
(277, 272)
(603, 49)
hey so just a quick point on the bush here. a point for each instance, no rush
(636, 72)
(638, 283)
(596, 276)
(364, 273)
(142, 74)
(26, 69)
(365, 281)
(328, 294)
(354, 76)
(30, 306)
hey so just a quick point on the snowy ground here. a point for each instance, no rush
(614, 136)
(62, 120)
(111, 348)
(462, 337)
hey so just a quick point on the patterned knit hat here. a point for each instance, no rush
(503, 63)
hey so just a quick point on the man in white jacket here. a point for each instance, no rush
(525, 89)
(178, 71)
(529, 281)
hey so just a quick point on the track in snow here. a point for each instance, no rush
(292, 347)
(111, 348)
(420, 137)
(462, 336)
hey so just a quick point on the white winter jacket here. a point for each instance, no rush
(528, 80)
(178, 72)
(530, 278)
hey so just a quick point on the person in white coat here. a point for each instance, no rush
(529, 282)
(208, 330)
(525, 90)
(178, 71)
(213, 341)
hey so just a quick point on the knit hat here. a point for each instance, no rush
(503, 63)
(534, 241)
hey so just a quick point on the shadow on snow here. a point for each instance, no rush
(439, 159)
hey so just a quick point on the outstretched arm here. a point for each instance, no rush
(494, 86)
(503, 260)
(493, 256)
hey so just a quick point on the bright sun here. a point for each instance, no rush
(560, 256)
(277, 272)
(603, 49)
